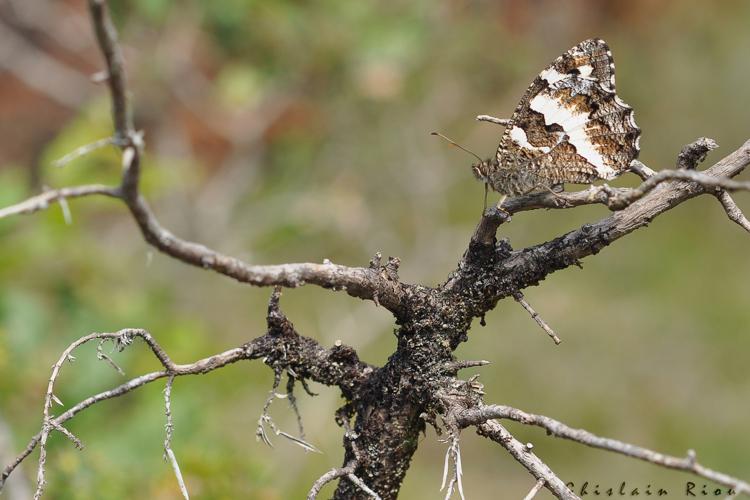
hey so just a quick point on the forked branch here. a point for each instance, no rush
(483, 416)
(432, 321)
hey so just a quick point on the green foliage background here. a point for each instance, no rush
(328, 107)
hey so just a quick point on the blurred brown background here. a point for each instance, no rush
(282, 131)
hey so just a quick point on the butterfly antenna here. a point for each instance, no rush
(454, 143)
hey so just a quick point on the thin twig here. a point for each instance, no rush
(169, 429)
(733, 211)
(695, 152)
(336, 473)
(538, 486)
(619, 198)
(454, 366)
(105, 357)
(527, 458)
(83, 151)
(293, 404)
(362, 486)
(201, 366)
(265, 418)
(72, 437)
(42, 201)
(536, 317)
(453, 454)
(326, 478)
(49, 398)
(641, 170)
(483, 415)
(106, 36)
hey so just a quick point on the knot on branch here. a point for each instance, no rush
(278, 324)
(391, 268)
(454, 399)
(344, 354)
(303, 358)
(694, 153)
(375, 261)
(492, 218)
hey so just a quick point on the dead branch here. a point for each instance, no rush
(386, 403)
(694, 153)
(733, 211)
(49, 398)
(281, 347)
(619, 198)
(169, 429)
(453, 454)
(537, 487)
(518, 296)
(483, 415)
(336, 473)
(502, 271)
(106, 35)
(527, 458)
(42, 201)
(82, 151)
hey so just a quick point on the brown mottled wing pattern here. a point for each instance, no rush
(570, 126)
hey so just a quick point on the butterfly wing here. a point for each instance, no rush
(570, 125)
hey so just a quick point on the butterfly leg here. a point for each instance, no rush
(497, 121)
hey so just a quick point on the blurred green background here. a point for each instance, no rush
(284, 131)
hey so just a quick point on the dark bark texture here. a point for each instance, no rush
(387, 407)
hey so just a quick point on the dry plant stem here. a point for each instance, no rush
(733, 211)
(293, 405)
(537, 487)
(334, 366)
(453, 453)
(518, 296)
(387, 403)
(199, 367)
(336, 473)
(483, 415)
(49, 398)
(265, 418)
(169, 429)
(83, 151)
(527, 458)
(42, 201)
(326, 478)
(365, 283)
(454, 366)
(641, 170)
(106, 36)
(618, 198)
(503, 271)
(693, 154)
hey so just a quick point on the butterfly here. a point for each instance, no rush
(570, 127)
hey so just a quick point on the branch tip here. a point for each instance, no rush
(518, 296)
(694, 153)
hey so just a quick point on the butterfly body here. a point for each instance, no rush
(570, 127)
